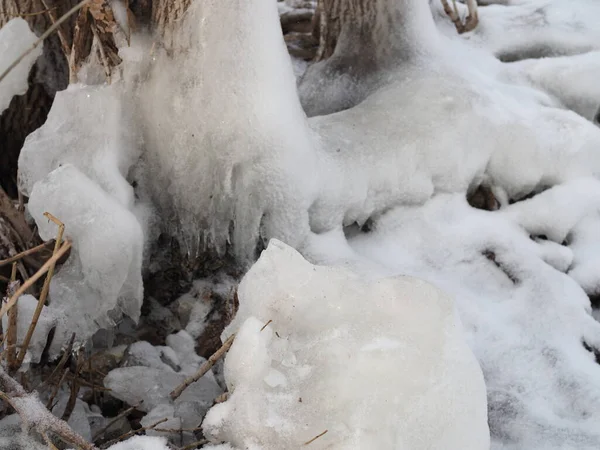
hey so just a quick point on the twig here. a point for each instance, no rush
(133, 432)
(102, 53)
(63, 40)
(266, 325)
(63, 360)
(204, 368)
(11, 331)
(194, 445)
(48, 32)
(315, 438)
(34, 414)
(49, 403)
(75, 385)
(115, 420)
(45, 289)
(65, 247)
(23, 254)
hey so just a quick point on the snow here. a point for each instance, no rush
(395, 370)
(15, 39)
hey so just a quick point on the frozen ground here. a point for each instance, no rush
(364, 171)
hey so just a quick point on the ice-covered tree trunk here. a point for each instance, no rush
(359, 38)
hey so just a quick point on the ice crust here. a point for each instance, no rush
(15, 39)
(378, 364)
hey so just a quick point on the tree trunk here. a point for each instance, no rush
(50, 74)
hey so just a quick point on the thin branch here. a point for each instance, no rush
(43, 37)
(23, 254)
(35, 415)
(115, 420)
(65, 247)
(45, 289)
(315, 438)
(204, 368)
(134, 432)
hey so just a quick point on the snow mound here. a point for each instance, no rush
(102, 278)
(15, 39)
(378, 364)
(528, 322)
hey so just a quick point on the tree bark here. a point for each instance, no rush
(50, 74)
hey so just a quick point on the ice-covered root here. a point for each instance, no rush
(528, 324)
(585, 244)
(531, 28)
(322, 353)
(573, 80)
(15, 39)
(386, 35)
(470, 21)
(102, 279)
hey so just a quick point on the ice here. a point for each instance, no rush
(253, 161)
(15, 39)
(308, 370)
(26, 307)
(153, 386)
(102, 278)
(105, 152)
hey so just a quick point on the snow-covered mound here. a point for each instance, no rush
(378, 364)
(15, 39)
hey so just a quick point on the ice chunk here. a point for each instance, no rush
(153, 386)
(26, 307)
(424, 391)
(91, 128)
(15, 39)
(102, 278)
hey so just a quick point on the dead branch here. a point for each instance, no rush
(65, 247)
(125, 413)
(11, 331)
(43, 37)
(35, 415)
(45, 289)
(133, 433)
(203, 369)
(315, 438)
(24, 254)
